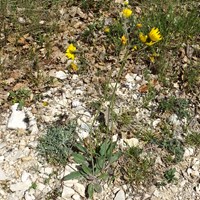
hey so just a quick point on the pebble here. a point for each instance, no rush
(61, 75)
(3, 176)
(21, 186)
(188, 152)
(67, 192)
(76, 197)
(80, 189)
(17, 118)
(120, 195)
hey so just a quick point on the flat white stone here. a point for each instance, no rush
(156, 122)
(120, 195)
(132, 142)
(16, 119)
(61, 75)
(21, 186)
(3, 176)
(76, 197)
(25, 176)
(76, 103)
(67, 192)
(28, 196)
(79, 188)
(174, 119)
(188, 152)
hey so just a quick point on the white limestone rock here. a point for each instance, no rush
(80, 189)
(67, 192)
(17, 118)
(120, 195)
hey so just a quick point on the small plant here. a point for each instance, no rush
(193, 139)
(136, 168)
(94, 165)
(174, 147)
(174, 105)
(56, 145)
(170, 175)
(20, 96)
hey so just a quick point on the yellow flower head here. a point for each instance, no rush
(134, 48)
(74, 67)
(127, 12)
(106, 29)
(126, 2)
(155, 35)
(142, 37)
(139, 25)
(124, 39)
(70, 51)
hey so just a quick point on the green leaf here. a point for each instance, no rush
(81, 148)
(97, 188)
(100, 162)
(90, 190)
(104, 147)
(86, 169)
(115, 157)
(72, 175)
(110, 149)
(104, 176)
(78, 158)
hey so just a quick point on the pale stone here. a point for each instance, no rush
(132, 142)
(61, 75)
(16, 120)
(156, 122)
(120, 195)
(28, 196)
(174, 119)
(67, 192)
(3, 176)
(80, 189)
(25, 176)
(48, 170)
(188, 152)
(76, 103)
(21, 186)
(76, 197)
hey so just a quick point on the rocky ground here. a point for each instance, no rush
(24, 174)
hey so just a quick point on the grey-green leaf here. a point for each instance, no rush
(72, 175)
(90, 190)
(115, 157)
(86, 169)
(78, 158)
(97, 188)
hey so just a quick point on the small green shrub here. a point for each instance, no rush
(95, 164)
(56, 145)
(175, 105)
(135, 168)
(193, 139)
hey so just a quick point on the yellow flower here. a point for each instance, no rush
(45, 103)
(74, 67)
(139, 25)
(127, 12)
(126, 2)
(150, 39)
(134, 48)
(143, 38)
(150, 43)
(124, 39)
(155, 35)
(106, 29)
(70, 51)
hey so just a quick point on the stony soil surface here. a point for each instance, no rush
(25, 175)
